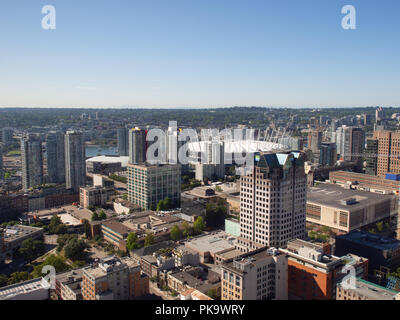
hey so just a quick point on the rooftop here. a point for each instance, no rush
(374, 291)
(12, 233)
(371, 240)
(213, 242)
(23, 288)
(110, 159)
(335, 196)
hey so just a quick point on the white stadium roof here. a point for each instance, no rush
(110, 159)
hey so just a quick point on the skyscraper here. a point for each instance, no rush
(350, 143)
(372, 157)
(137, 146)
(273, 201)
(75, 173)
(328, 154)
(55, 157)
(32, 162)
(314, 140)
(123, 142)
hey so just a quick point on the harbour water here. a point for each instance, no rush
(104, 151)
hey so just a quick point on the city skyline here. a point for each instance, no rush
(199, 55)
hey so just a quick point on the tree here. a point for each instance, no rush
(215, 214)
(57, 262)
(102, 215)
(75, 249)
(149, 239)
(86, 226)
(175, 233)
(131, 242)
(164, 204)
(187, 229)
(95, 216)
(3, 280)
(31, 249)
(18, 277)
(199, 225)
(63, 239)
(56, 226)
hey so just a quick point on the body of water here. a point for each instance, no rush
(105, 151)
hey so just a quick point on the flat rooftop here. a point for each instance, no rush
(374, 291)
(332, 196)
(213, 242)
(371, 240)
(15, 232)
(23, 288)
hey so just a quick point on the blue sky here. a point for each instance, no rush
(199, 53)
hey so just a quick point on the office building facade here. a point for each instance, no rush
(148, 184)
(273, 201)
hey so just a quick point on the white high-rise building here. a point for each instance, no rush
(273, 201)
(75, 170)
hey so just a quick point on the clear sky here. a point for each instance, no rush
(199, 53)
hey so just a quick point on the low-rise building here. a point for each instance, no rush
(12, 237)
(114, 279)
(380, 251)
(209, 245)
(93, 196)
(258, 275)
(69, 285)
(312, 274)
(364, 290)
(344, 210)
(36, 289)
(365, 182)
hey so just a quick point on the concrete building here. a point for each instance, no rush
(123, 142)
(55, 151)
(314, 140)
(272, 201)
(313, 272)
(380, 251)
(137, 146)
(148, 184)
(93, 196)
(365, 290)
(208, 246)
(346, 210)
(106, 164)
(114, 279)
(32, 162)
(75, 171)
(365, 182)
(12, 237)
(259, 275)
(69, 285)
(36, 289)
